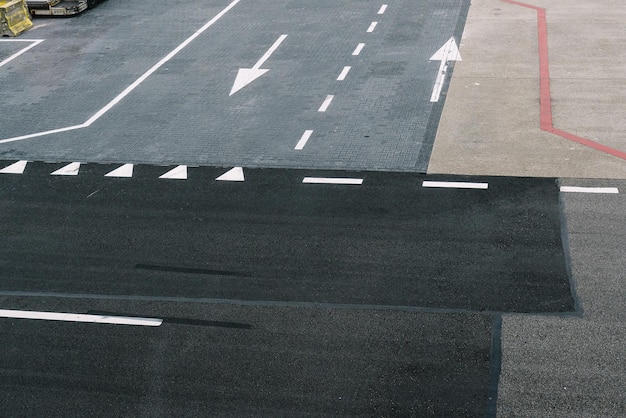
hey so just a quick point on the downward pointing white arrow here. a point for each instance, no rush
(448, 52)
(246, 76)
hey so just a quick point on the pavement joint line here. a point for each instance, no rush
(598, 190)
(72, 317)
(279, 304)
(454, 184)
(130, 88)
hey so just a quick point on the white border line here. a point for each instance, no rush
(134, 85)
(70, 317)
(601, 190)
(21, 51)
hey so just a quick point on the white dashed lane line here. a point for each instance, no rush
(326, 103)
(454, 185)
(304, 139)
(71, 317)
(358, 49)
(344, 73)
(372, 27)
(596, 190)
(382, 10)
(332, 180)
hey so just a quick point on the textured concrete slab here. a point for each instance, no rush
(490, 123)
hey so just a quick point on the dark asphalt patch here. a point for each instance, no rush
(387, 242)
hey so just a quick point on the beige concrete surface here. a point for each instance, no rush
(490, 123)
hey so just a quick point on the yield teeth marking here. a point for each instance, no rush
(125, 170)
(177, 173)
(15, 168)
(234, 174)
(69, 170)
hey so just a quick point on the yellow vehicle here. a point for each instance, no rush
(14, 17)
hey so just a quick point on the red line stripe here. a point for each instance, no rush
(545, 101)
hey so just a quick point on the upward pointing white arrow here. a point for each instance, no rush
(448, 52)
(246, 76)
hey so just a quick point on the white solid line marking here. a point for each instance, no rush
(303, 140)
(125, 170)
(177, 173)
(358, 49)
(134, 85)
(326, 103)
(69, 170)
(15, 168)
(372, 27)
(344, 73)
(234, 174)
(21, 51)
(455, 184)
(69, 317)
(331, 180)
(573, 189)
(382, 10)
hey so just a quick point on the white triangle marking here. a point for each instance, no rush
(234, 174)
(15, 168)
(69, 170)
(448, 52)
(123, 171)
(178, 173)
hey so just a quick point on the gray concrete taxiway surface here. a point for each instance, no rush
(536, 91)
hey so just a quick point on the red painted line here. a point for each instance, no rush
(545, 103)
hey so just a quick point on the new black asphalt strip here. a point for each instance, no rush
(279, 298)
(389, 241)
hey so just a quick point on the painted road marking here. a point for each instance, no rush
(15, 168)
(70, 317)
(382, 10)
(372, 27)
(69, 170)
(246, 76)
(303, 140)
(455, 184)
(358, 49)
(35, 42)
(130, 88)
(176, 173)
(448, 52)
(326, 103)
(344, 73)
(124, 171)
(574, 189)
(234, 174)
(332, 180)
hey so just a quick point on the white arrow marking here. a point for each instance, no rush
(177, 173)
(448, 52)
(68, 170)
(124, 171)
(246, 76)
(15, 168)
(234, 174)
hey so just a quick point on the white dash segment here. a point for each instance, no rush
(383, 9)
(70, 317)
(358, 49)
(176, 173)
(344, 73)
(372, 27)
(234, 174)
(68, 170)
(124, 171)
(304, 139)
(599, 190)
(455, 184)
(326, 103)
(15, 168)
(332, 180)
